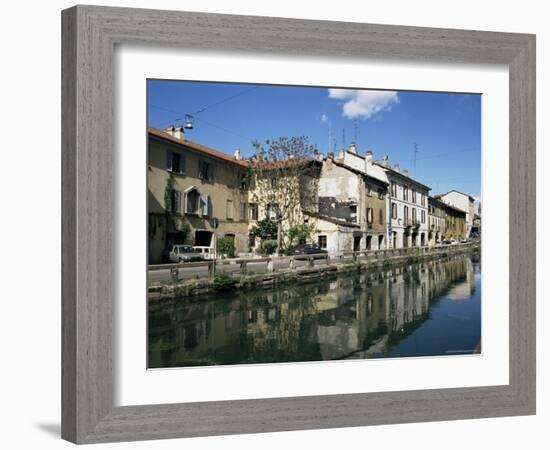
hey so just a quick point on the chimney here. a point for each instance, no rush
(237, 155)
(176, 131)
(385, 161)
(396, 167)
(405, 172)
(352, 148)
(368, 156)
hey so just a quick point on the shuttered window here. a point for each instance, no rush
(205, 205)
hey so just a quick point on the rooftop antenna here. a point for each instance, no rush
(415, 152)
(329, 135)
(355, 130)
(343, 138)
(334, 144)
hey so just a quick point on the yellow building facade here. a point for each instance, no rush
(195, 195)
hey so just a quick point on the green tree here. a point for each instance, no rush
(299, 234)
(283, 175)
(226, 246)
(265, 229)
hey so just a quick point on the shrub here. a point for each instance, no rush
(226, 246)
(224, 282)
(268, 247)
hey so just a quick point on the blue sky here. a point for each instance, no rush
(445, 127)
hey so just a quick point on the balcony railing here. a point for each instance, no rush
(411, 223)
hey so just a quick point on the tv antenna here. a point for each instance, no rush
(415, 152)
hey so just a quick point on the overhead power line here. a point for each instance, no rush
(246, 91)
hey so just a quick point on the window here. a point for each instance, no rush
(244, 181)
(229, 209)
(353, 212)
(175, 162)
(322, 241)
(273, 182)
(253, 211)
(206, 170)
(381, 216)
(192, 201)
(243, 211)
(406, 213)
(251, 241)
(394, 190)
(413, 196)
(414, 215)
(381, 194)
(272, 211)
(394, 211)
(423, 216)
(369, 215)
(205, 205)
(369, 191)
(423, 200)
(405, 193)
(174, 202)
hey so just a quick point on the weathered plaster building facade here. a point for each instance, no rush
(463, 202)
(195, 194)
(455, 223)
(352, 212)
(436, 220)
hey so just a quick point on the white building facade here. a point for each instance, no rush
(408, 208)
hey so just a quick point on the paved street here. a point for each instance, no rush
(202, 272)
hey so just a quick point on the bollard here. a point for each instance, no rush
(243, 267)
(311, 261)
(270, 265)
(212, 269)
(174, 272)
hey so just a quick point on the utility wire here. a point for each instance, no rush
(200, 119)
(246, 91)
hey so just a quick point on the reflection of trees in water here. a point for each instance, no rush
(358, 315)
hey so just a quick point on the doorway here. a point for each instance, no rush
(203, 238)
(369, 242)
(357, 243)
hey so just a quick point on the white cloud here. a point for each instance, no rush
(324, 118)
(363, 104)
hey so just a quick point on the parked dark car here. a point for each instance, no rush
(308, 249)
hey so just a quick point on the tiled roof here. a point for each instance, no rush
(359, 172)
(401, 174)
(197, 147)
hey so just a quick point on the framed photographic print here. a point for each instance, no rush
(268, 230)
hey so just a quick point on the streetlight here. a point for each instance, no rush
(188, 122)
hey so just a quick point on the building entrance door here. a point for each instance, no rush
(203, 238)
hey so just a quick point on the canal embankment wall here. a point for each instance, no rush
(231, 274)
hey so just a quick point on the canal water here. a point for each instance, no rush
(425, 309)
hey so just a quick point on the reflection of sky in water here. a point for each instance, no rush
(421, 310)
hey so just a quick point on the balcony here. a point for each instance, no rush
(411, 223)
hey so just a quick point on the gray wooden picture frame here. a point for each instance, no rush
(90, 34)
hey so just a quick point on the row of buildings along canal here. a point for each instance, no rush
(197, 195)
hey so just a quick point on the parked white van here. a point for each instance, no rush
(206, 252)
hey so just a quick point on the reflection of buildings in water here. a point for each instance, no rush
(352, 316)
